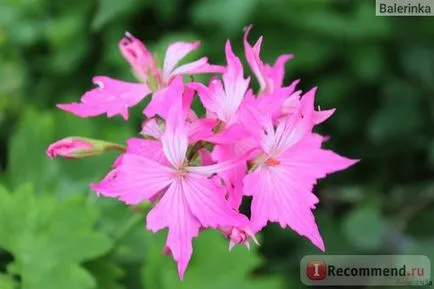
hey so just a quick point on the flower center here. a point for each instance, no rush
(272, 162)
(181, 172)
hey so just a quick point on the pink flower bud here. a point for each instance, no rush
(69, 148)
(238, 236)
(139, 57)
(77, 147)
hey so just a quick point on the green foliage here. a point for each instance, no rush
(48, 240)
(211, 259)
(365, 228)
(6, 282)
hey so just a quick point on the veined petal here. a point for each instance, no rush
(111, 97)
(282, 192)
(235, 84)
(175, 137)
(312, 161)
(189, 68)
(164, 98)
(291, 129)
(278, 196)
(173, 212)
(224, 99)
(175, 52)
(208, 205)
(135, 180)
(150, 149)
(221, 166)
(254, 60)
(229, 135)
(200, 129)
(233, 178)
(150, 127)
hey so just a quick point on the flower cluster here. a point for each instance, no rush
(196, 170)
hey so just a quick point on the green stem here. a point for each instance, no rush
(115, 147)
(127, 228)
(194, 149)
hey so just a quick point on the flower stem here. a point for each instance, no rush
(126, 229)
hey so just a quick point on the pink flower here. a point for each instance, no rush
(189, 199)
(113, 97)
(139, 57)
(195, 170)
(239, 236)
(69, 148)
(290, 164)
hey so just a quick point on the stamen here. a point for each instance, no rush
(272, 162)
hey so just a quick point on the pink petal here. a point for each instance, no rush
(290, 129)
(190, 203)
(233, 178)
(139, 57)
(173, 212)
(205, 158)
(292, 104)
(70, 147)
(276, 73)
(323, 115)
(151, 128)
(208, 205)
(224, 99)
(270, 78)
(310, 159)
(175, 52)
(164, 98)
(135, 180)
(201, 129)
(272, 103)
(174, 139)
(283, 192)
(150, 149)
(222, 166)
(280, 197)
(233, 133)
(199, 66)
(254, 60)
(111, 97)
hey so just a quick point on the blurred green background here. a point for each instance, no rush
(377, 71)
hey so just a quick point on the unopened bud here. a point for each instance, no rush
(238, 236)
(78, 147)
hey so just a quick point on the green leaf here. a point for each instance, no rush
(110, 10)
(27, 159)
(106, 272)
(399, 100)
(6, 282)
(50, 240)
(364, 227)
(229, 15)
(212, 266)
(36, 131)
(167, 9)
